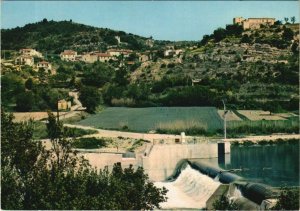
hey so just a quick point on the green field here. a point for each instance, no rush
(147, 119)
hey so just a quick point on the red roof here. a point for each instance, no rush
(43, 62)
(103, 55)
(68, 52)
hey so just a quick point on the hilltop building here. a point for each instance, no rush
(68, 55)
(253, 23)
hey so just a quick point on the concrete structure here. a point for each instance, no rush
(45, 65)
(24, 60)
(162, 159)
(30, 52)
(68, 55)
(253, 23)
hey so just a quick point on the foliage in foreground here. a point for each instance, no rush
(288, 200)
(33, 177)
(224, 204)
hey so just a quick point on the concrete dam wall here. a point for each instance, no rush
(163, 158)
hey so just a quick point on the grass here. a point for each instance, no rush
(190, 127)
(149, 119)
(263, 127)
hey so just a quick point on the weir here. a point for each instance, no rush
(247, 194)
(161, 160)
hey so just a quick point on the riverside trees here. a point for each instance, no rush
(37, 178)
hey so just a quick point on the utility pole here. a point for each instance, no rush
(225, 112)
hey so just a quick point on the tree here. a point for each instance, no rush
(293, 19)
(33, 177)
(29, 84)
(25, 102)
(287, 34)
(219, 34)
(90, 98)
(286, 19)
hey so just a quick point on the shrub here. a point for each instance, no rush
(89, 143)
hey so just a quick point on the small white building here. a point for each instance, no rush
(45, 65)
(24, 60)
(30, 52)
(68, 55)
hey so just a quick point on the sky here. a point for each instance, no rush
(164, 20)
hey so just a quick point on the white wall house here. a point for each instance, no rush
(68, 55)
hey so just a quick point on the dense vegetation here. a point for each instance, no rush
(33, 177)
(54, 37)
(245, 85)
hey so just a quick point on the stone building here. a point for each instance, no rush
(30, 52)
(253, 23)
(68, 55)
(24, 60)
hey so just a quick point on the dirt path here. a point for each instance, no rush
(151, 137)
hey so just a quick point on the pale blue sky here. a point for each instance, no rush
(164, 20)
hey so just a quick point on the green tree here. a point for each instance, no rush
(219, 34)
(25, 101)
(90, 98)
(293, 19)
(33, 177)
(287, 34)
(286, 19)
(29, 84)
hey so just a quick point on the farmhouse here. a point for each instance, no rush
(68, 55)
(104, 57)
(116, 52)
(253, 23)
(45, 65)
(24, 60)
(63, 105)
(30, 52)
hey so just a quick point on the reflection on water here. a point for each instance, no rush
(276, 165)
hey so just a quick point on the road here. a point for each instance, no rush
(151, 137)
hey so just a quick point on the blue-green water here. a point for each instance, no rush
(276, 165)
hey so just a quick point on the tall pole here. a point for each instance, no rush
(225, 112)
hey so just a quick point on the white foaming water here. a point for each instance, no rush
(234, 195)
(190, 190)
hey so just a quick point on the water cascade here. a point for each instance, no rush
(191, 189)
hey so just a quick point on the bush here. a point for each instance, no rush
(288, 200)
(89, 143)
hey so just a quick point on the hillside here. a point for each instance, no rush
(54, 37)
(251, 69)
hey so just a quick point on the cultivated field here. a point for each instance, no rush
(256, 115)
(148, 119)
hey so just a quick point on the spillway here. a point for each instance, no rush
(191, 189)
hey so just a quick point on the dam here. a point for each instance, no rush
(192, 174)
